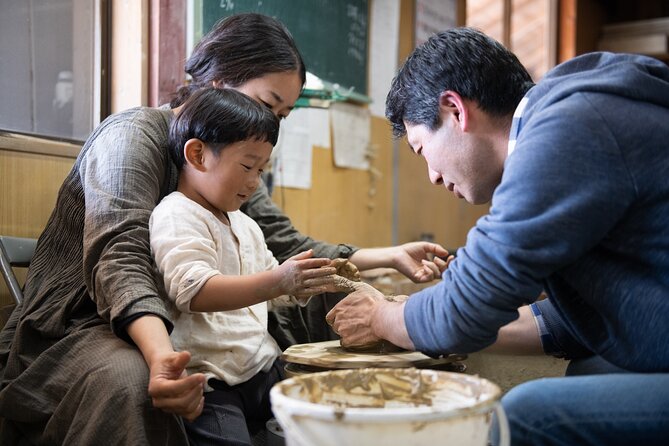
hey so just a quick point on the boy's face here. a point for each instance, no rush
(233, 176)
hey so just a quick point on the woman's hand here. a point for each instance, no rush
(303, 276)
(172, 390)
(421, 261)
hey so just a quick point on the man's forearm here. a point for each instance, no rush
(519, 337)
(388, 323)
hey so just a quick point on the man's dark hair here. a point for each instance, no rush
(240, 48)
(463, 60)
(219, 117)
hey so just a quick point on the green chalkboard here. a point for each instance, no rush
(331, 34)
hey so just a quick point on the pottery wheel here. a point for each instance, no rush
(330, 355)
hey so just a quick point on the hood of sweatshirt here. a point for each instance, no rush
(631, 76)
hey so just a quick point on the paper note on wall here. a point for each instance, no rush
(383, 41)
(318, 120)
(291, 158)
(350, 135)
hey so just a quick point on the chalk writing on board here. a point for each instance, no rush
(357, 33)
(227, 5)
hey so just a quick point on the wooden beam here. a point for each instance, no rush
(506, 23)
(167, 49)
(566, 30)
(129, 65)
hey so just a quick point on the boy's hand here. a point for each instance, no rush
(346, 269)
(303, 276)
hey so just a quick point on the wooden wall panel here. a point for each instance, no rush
(129, 54)
(29, 184)
(339, 207)
(167, 49)
(580, 24)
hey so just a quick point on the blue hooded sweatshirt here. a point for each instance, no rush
(582, 212)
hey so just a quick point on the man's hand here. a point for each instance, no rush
(366, 316)
(172, 390)
(352, 317)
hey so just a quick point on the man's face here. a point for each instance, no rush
(462, 162)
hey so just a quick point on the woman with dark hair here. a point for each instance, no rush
(92, 334)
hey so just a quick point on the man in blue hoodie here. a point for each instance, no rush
(577, 168)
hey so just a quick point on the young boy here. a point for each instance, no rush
(216, 266)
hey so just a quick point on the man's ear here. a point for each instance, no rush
(452, 106)
(194, 153)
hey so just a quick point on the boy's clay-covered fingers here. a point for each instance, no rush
(323, 281)
(313, 263)
(326, 272)
(346, 269)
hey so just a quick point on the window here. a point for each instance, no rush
(51, 67)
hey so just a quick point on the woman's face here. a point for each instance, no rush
(277, 91)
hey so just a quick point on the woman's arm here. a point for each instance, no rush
(414, 260)
(123, 173)
(419, 261)
(170, 388)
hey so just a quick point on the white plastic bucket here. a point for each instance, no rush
(387, 407)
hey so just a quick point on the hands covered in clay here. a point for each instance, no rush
(346, 269)
(356, 310)
(303, 276)
(366, 317)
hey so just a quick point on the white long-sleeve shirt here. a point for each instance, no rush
(191, 245)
